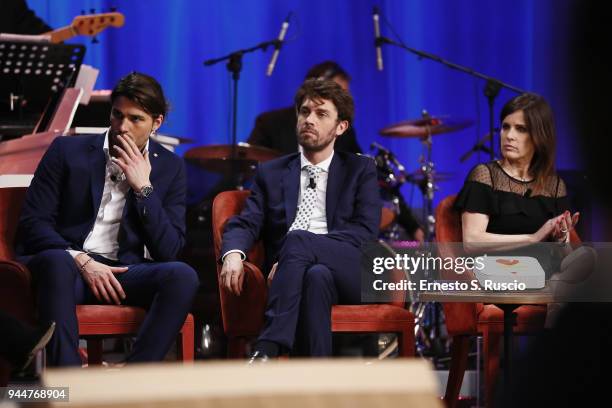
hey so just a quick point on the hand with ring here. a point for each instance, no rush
(563, 224)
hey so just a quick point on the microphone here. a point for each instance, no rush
(312, 183)
(527, 193)
(377, 40)
(278, 45)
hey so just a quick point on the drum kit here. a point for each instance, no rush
(240, 162)
(392, 174)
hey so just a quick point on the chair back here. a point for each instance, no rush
(225, 205)
(15, 280)
(11, 202)
(461, 318)
(242, 316)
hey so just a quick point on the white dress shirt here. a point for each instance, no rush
(318, 219)
(103, 238)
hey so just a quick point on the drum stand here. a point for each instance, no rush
(427, 185)
(428, 316)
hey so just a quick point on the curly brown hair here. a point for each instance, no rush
(318, 89)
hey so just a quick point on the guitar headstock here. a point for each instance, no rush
(93, 24)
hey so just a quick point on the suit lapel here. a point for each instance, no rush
(154, 159)
(97, 163)
(291, 189)
(337, 173)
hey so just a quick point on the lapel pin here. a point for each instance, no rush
(154, 154)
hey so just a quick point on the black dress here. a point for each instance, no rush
(514, 206)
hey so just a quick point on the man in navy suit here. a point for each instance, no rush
(313, 210)
(103, 222)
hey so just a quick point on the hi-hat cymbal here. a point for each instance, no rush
(425, 126)
(242, 158)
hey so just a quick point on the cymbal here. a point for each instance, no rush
(242, 158)
(243, 151)
(425, 126)
(227, 165)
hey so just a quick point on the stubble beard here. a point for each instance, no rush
(317, 144)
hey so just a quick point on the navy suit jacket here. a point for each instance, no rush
(353, 206)
(65, 194)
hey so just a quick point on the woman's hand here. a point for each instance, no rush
(563, 225)
(556, 228)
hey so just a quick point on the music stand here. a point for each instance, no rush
(33, 76)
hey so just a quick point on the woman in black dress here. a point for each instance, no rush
(518, 200)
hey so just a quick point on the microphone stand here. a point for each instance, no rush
(491, 90)
(478, 147)
(234, 65)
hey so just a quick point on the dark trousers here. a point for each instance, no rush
(314, 272)
(166, 289)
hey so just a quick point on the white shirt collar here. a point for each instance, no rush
(324, 165)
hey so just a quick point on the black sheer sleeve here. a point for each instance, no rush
(477, 193)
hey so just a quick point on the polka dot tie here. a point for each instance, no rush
(309, 198)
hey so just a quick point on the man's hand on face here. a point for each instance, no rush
(135, 165)
(101, 279)
(232, 273)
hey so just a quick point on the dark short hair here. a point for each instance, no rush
(318, 89)
(541, 127)
(143, 90)
(327, 70)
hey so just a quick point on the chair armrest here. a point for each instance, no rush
(243, 316)
(16, 290)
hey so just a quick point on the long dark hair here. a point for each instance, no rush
(541, 127)
(143, 90)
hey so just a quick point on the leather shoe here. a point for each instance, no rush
(258, 357)
(40, 341)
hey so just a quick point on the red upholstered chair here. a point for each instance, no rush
(464, 320)
(95, 321)
(243, 316)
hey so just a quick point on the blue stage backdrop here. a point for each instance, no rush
(520, 42)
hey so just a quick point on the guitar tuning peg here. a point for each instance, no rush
(92, 10)
(82, 12)
(113, 9)
(94, 40)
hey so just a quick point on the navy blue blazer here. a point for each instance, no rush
(65, 194)
(353, 206)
